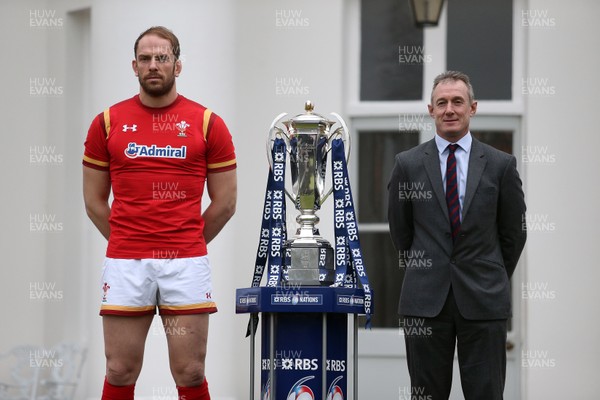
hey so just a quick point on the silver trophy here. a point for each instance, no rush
(308, 139)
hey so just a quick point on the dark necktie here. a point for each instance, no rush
(452, 191)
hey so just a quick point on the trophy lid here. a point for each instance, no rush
(309, 117)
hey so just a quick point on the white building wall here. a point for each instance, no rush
(561, 333)
(23, 182)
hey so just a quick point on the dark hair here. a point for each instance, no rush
(454, 76)
(164, 33)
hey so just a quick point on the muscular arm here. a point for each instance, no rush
(96, 191)
(222, 189)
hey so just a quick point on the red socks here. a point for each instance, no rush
(111, 392)
(195, 392)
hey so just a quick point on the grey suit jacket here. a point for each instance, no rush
(480, 263)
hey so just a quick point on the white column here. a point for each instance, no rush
(561, 170)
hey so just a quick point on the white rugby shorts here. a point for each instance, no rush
(132, 287)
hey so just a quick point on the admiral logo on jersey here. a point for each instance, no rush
(135, 150)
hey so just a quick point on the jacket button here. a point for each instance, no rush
(453, 261)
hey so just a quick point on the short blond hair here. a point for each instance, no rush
(161, 32)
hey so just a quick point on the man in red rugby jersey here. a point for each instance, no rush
(156, 152)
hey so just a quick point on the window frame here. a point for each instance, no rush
(434, 43)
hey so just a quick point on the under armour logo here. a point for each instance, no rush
(132, 128)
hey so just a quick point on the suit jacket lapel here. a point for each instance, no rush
(477, 162)
(431, 162)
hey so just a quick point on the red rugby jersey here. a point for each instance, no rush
(158, 159)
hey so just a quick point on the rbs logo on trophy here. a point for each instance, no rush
(295, 299)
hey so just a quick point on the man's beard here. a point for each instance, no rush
(157, 90)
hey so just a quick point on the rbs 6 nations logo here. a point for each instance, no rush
(300, 391)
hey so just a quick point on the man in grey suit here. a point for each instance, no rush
(455, 213)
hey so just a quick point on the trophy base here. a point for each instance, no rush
(311, 262)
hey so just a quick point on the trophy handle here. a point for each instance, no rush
(343, 132)
(275, 131)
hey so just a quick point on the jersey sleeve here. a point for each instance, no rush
(96, 153)
(221, 152)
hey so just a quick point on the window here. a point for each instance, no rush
(391, 50)
(487, 54)
(376, 151)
